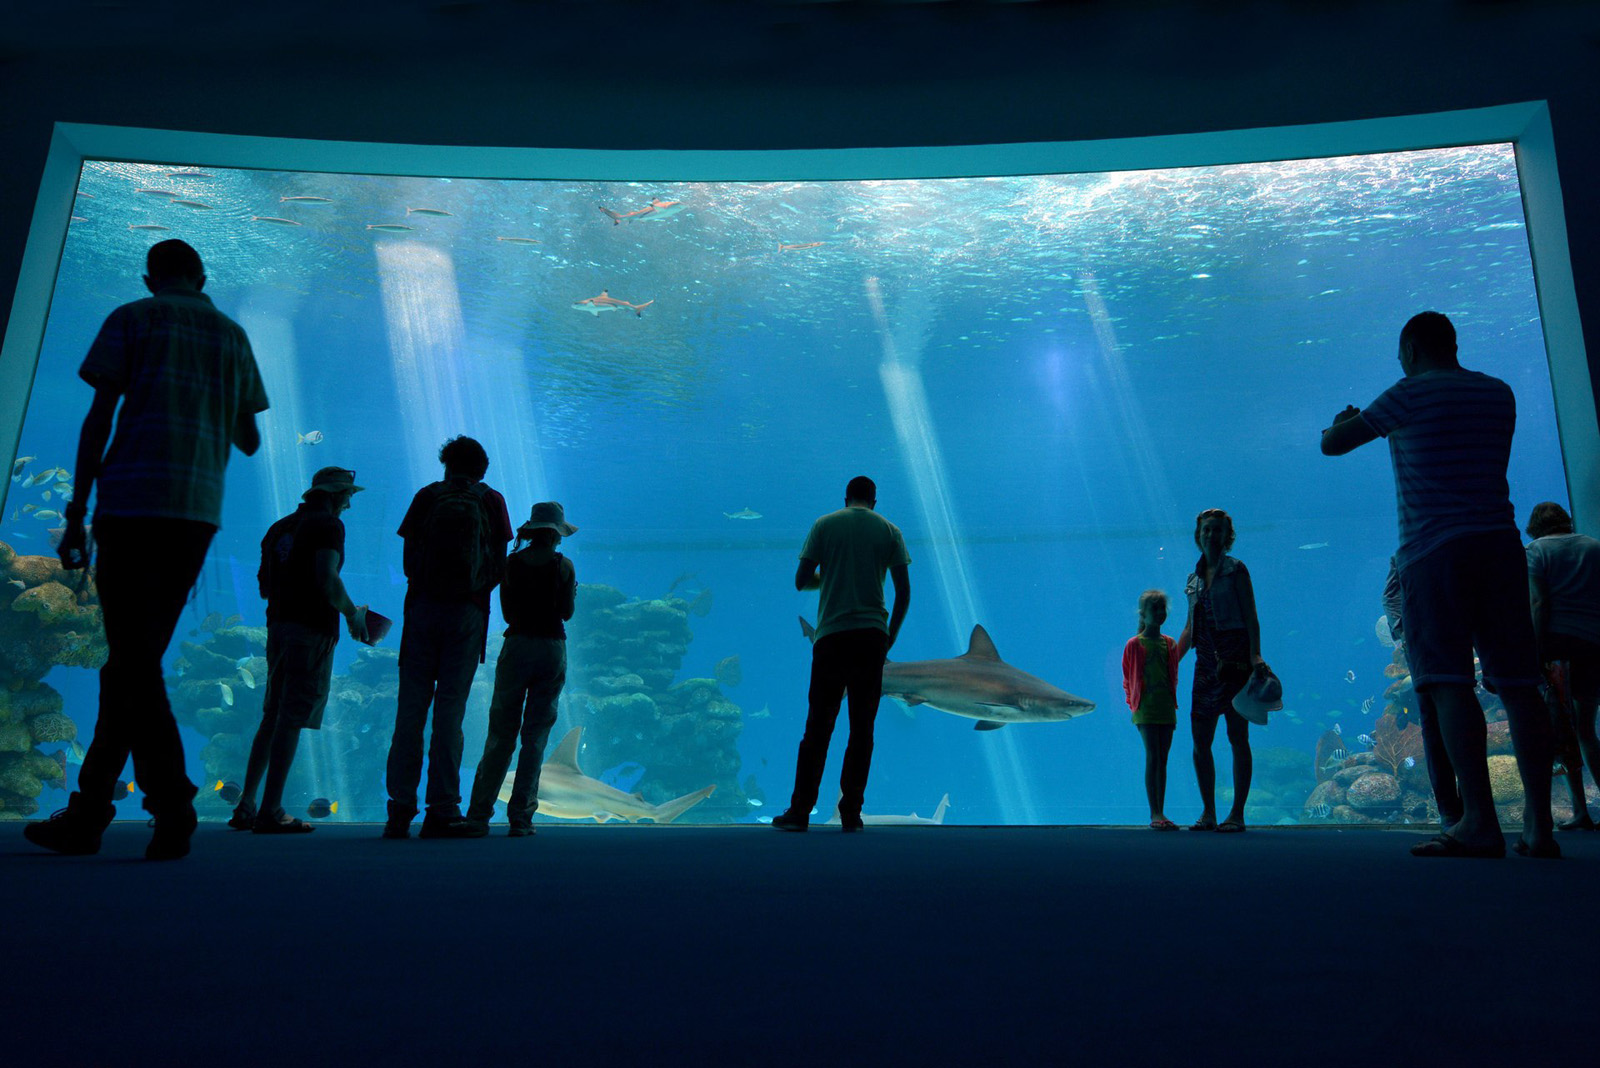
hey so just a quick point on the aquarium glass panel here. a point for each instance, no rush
(1048, 376)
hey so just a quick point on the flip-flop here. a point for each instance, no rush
(288, 826)
(1163, 825)
(1542, 851)
(242, 820)
(1230, 827)
(1203, 825)
(1443, 845)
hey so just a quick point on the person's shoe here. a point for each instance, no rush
(72, 830)
(399, 822)
(243, 818)
(1577, 823)
(520, 830)
(851, 826)
(789, 821)
(174, 826)
(449, 827)
(476, 828)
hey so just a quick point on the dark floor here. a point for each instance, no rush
(646, 945)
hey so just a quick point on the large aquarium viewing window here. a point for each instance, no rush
(1049, 358)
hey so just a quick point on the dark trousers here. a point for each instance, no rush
(1441, 773)
(145, 570)
(845, 662)
(439, 650)
(528, 676)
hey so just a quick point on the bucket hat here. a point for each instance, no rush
(1262, 694)
(333, 480)
(547, 515)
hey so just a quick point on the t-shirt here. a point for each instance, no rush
(537, 598)
(1449, 437)
(855, 547)
(1158, 698)
(1564, 570)
(416, 518)
(186, 374)
(288, 575)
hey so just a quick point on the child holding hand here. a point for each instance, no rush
(1150, 680)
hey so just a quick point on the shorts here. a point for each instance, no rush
(299, 671)
(1470, 593)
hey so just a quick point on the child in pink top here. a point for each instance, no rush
(1150, 680)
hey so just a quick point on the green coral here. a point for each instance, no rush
(1505, 779)
(52, 727)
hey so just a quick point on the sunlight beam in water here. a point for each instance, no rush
(919, 446)
(268, 318)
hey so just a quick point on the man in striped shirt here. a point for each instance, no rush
(188, 389)
(1463, 575)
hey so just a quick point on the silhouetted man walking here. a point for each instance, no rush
(189, 391)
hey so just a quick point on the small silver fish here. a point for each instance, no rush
(248, 679)
(46, 495)
(227, 693)
(305, 200)
(185, 174)
(18, 583)
(275, 220)
(149, 226)
(428, 211)
(1411, 762)
(1349, 676)
(157, 192)
(390, 228)
(313, 438)
(47, 514)
(1364, 739)
(197, 205)
(520, 240)
(1338, 730)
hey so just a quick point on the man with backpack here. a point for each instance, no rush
(455, 534)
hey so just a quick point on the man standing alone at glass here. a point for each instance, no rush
(853, 548)
(189, 391)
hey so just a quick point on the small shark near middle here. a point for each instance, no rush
(569, 794)
(978, 685)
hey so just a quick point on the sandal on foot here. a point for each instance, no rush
(287, 825)
(1231, 827)
(1577, 823)
(243, 819)
(1542, 851)
(1163, 825)
(1443, 845)
(1203, 824)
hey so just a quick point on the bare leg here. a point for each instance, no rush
(1243, 765)
(1205, 768)
(1465, 737)
(1530, 738)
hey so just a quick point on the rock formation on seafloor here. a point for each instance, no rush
(49, 617)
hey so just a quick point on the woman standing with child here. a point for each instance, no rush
(1226, 637)
(1150, 680)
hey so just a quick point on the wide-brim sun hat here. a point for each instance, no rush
(547, 515)
(333, 480)
(1262, 694)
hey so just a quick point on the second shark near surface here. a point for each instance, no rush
(978, 685)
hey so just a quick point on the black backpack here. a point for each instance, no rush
(457, 558)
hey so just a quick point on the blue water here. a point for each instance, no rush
(1048, 377)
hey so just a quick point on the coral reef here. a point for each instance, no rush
(49, 617)
(622, 658)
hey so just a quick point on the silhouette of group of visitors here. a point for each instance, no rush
(188, 389)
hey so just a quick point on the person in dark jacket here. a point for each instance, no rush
(537, 597)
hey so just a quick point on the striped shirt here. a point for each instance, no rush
(1449, 437)
(186, 374)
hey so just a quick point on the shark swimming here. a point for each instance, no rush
(656, 211)
(977, 685)
(913, 820)
(569, 794)
(605, 302)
